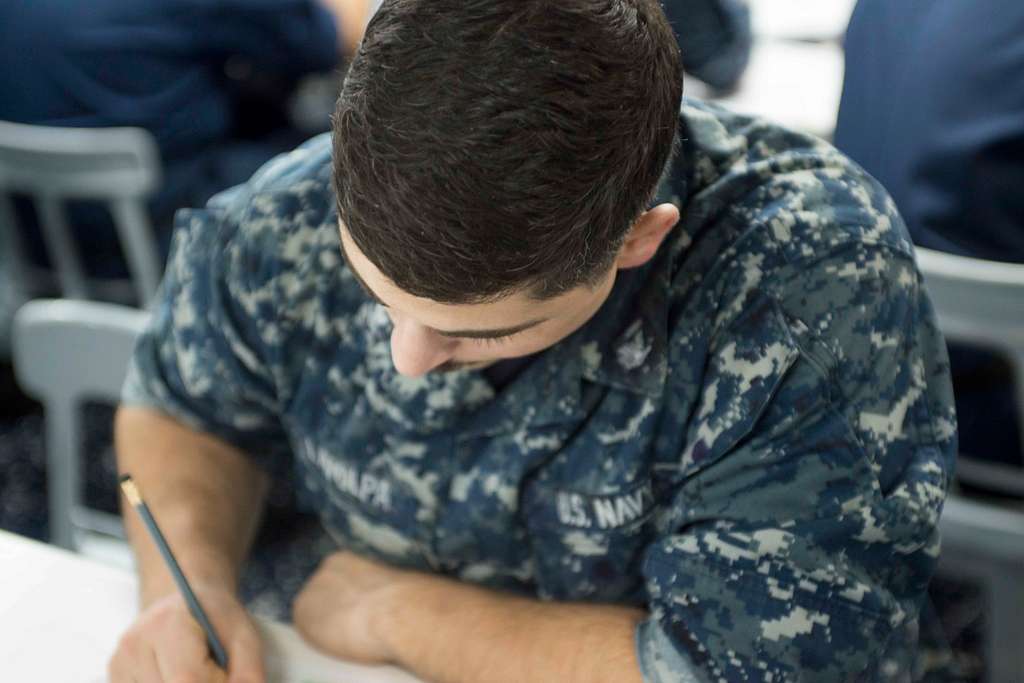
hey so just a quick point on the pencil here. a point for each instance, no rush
(131, 492)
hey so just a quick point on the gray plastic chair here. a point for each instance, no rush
(982, 303)
(67, 352)
(119, 167)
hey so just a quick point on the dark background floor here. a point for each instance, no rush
(291, 544)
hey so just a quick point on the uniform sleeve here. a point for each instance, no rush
(714, 37)
(212, 349)
(292, 35)
(803, 533)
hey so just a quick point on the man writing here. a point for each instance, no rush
(574, 407)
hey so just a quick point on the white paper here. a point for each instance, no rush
(61, 617)
(290, 660)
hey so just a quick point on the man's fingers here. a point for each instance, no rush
(166, 644)
(148, 671)
(138, 666)
(245, 656)
(183, 655)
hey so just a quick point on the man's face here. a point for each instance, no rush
(432, 337)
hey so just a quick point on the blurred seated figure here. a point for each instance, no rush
(933, 106)
(715, 38)
(209, 79)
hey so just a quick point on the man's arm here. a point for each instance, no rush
(452, 632)
(208, 360)
(206, 495)
(457, 633)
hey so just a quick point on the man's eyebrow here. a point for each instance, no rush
(464, 334)
(491, 334)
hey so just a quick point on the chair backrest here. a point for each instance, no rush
(66, 352)
(980, 303)
(119, 167)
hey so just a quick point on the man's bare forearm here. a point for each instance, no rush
(454, 633)
(206, 496)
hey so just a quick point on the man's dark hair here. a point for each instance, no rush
(488, 147)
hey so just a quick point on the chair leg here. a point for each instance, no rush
(62, 248)
(62, 473)
(14, 255)
(139, 242)
(1005, 626)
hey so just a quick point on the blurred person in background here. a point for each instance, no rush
(209, 79)
(933, 107)
(715, 38)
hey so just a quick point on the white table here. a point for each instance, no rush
(61, 617)
(809, 20)
(793, 83)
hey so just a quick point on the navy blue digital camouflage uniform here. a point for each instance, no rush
(752, 437)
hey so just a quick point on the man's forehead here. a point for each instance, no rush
(349, 250)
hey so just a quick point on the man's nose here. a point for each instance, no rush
(416, 350)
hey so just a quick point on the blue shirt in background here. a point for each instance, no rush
(933, 106)
(714, 37)
(161, 65)
(158, 64)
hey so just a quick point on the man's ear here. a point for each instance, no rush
(646, 235)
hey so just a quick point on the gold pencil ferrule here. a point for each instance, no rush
(131, 491)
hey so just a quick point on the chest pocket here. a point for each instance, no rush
(374, 496)
(589, 547)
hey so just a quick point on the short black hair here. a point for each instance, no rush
(488, 147)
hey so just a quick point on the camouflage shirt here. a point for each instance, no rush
(752, 438)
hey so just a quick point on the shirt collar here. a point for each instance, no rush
(626, 347)
(623, 346)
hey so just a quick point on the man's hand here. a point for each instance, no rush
(340, 608)
(167, 644)
(207, 496)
